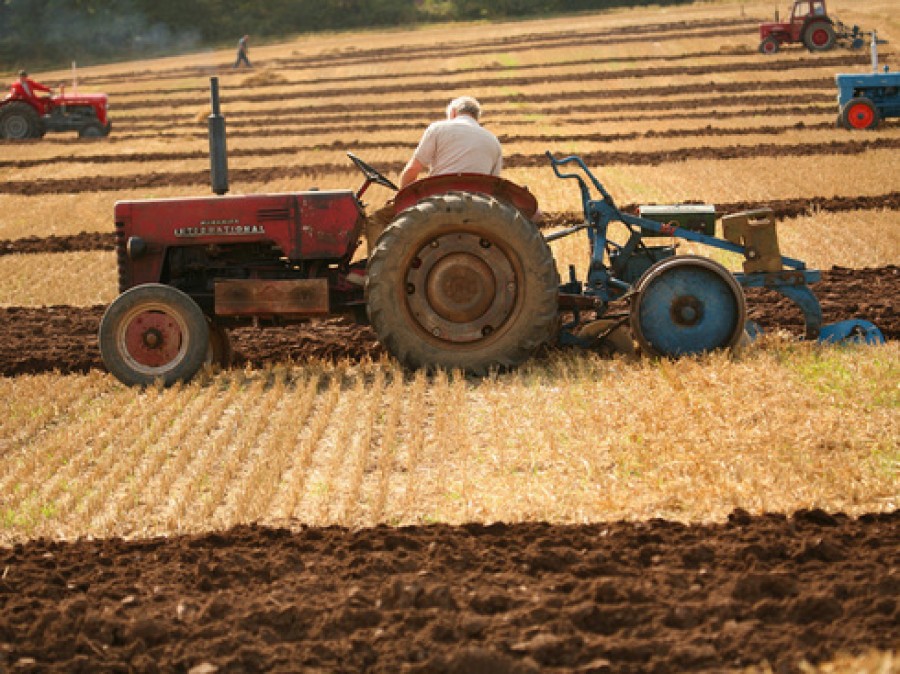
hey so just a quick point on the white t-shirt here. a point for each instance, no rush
(459, 145)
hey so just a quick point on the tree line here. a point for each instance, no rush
(52, 33)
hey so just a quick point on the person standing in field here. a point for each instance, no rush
(242, 53)
(458, 144)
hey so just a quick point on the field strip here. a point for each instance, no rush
(670, 98)
(443, 87)
(546, 76)
(341, 444)
(248, 124)
(448, 50)
(508, 107)
(786, 64)
(311, 127)
(598, 137)
(106, 183)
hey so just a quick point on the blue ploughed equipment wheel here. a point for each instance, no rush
(687, 305)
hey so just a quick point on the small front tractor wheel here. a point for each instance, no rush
(91, 130)
(462, 280)
(687, 305)
(819, 36)
(19, 121)
(769, 46)
(860, 113)
(153, 332)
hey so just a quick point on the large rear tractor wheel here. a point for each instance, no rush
(154, 332)
(860, 113)
(19, 121)
(464, 281)
(819, 36)
(687, 305)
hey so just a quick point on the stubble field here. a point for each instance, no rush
(316, 508)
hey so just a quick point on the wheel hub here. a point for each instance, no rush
(860, 116)
(153, 339)
(460, 287)
(16, 127)
(687, 310)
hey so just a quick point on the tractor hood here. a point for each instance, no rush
(81, 99)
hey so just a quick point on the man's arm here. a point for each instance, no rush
(410, 172)
(37, 86)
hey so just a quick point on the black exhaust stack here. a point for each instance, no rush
(218, 155)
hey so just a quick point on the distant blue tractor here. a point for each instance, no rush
(865, 99)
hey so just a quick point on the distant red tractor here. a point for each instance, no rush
(22, 117)
(810, 25)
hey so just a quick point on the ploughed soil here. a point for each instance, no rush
(64, 338)
(652, 596)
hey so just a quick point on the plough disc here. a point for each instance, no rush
(857, 331)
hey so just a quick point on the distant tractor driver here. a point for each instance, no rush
(27, 88)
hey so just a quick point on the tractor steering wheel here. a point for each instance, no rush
(372, 174)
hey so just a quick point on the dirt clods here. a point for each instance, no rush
(653, 596)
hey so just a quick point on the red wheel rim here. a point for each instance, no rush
(153, 339)
(769, 46)
(820, 37)
(860, 116)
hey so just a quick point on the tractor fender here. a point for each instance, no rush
(492, 186)
(10, 98)
(819, 18)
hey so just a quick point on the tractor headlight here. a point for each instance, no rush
(136, 247)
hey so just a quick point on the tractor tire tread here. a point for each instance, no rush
(154, 295)
(35, 129)
(535, 322)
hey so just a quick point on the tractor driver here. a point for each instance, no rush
(27, 88)
(458, 144)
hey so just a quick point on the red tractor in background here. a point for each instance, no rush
(810, 25)
(22, 117)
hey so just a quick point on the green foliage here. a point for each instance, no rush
(55, 32)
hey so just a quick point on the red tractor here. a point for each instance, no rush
(809, 25)
(462, 277)
(22, 117)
